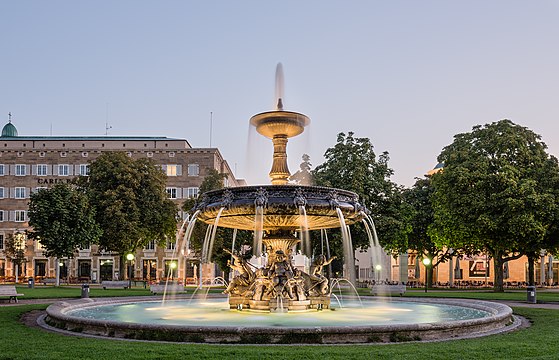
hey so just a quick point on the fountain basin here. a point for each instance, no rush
(280, 205)
(210, 321)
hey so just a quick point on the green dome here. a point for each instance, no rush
(9, 130)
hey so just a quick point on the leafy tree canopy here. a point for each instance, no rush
(131, 203)
(63, 220)
(497, 193)
(353, 165)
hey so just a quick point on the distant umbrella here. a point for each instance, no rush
(457, 270)
(550, 270)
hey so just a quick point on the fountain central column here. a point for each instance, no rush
(280, 171)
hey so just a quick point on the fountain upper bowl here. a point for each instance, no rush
(273, 123)
(282, 207)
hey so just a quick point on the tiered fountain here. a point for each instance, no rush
(274, 291)
(276, 213)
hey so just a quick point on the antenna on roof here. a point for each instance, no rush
(211, 121)
(107, 127)
(10, 117)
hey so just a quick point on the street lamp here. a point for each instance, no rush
(130, 258)
(427, 262)
(173, 266)
(378, 268)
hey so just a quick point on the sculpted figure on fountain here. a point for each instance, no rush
(319, 282)
(241, 283)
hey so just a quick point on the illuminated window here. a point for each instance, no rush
(171, 170)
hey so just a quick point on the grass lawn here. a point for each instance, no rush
(73, 291)
(21, 342)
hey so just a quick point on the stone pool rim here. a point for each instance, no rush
(499, 318)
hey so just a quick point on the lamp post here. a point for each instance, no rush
(427, 262)
(378, 268)
(173, 266)
(130, 258)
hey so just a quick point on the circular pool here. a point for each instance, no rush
(211, 320)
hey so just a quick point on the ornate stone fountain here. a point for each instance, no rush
(278, 212)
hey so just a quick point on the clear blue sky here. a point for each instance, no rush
(409, 75)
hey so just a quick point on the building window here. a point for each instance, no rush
(1, 169)
(1, 241)
(2, 215)
(84, 169)
(171, 245)
(20, 193)
(64, 153)
(1, 192)
(63, 170)
(192, 192)
(172, 193)
(193, 169)
(19, 153)
(21, 170)
(42, 170)
(171, 170)
(149, 154)
(172, 154)
(84, 154)
(42, 154)
(150, 246)
(20, 216)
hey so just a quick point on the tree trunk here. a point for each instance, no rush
(498, 270)
(122, 273)
(57, 272)
(531, 272)
(429, 273)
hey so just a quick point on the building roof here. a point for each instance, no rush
(91, 138)
(9, 130)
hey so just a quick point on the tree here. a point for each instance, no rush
(497, 193)
(352, 165)
(131, 203)
(420, 239)
(303, 175)
(14, 248)
(63, 220)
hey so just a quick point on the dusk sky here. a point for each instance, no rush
(409, 75)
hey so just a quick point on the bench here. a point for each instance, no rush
(10, 292)
(46, 281)
(171, 288)
(384, 289)
(115, 284)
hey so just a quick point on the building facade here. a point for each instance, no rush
(29, 163)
